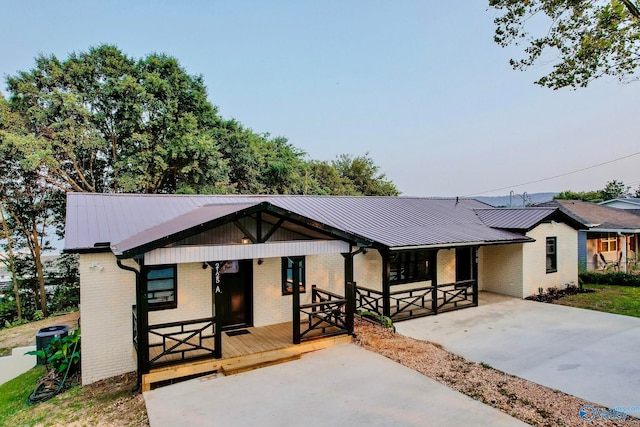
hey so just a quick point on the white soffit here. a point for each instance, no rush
(186, 254)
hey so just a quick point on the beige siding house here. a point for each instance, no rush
(609, 237)
(175, 286)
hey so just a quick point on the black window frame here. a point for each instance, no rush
(407, 267)
(162, 305)
(286, 267)
(551, 258)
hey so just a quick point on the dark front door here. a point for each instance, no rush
(464, 264)
(232, 286)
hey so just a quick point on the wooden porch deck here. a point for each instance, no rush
(260, 347)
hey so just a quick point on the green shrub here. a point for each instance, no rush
(65, 297)
(62, 353)
(8, 311)
(616, 278)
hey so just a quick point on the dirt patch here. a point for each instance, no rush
(24, 335)
(522, 399)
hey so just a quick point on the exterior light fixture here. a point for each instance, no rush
(245, 240)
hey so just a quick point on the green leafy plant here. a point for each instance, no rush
(385, 321)
(62, 354)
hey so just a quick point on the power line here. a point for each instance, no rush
(556, 176)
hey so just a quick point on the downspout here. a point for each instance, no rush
(141, 316)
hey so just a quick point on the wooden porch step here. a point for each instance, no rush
(238, 363)
(244, 366)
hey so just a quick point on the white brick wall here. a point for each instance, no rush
(367, 270)
(534, 271)
(270, 306)
(500, 269)
(446, 266)
(194, 296)
(106, 298)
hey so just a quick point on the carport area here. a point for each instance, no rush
(342, 385)
(588, 354)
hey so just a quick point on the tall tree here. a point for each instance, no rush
(364, 175)
(588, 39)
(615, 189)
(24, 197)
(107, 122)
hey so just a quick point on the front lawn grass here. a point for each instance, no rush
(13, 394)
(610, 299)
(107, 403)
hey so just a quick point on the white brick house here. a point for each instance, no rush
(159, 272)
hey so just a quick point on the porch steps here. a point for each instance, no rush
(241, 363)
(245, 367)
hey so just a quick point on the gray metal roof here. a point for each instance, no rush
(136, 219)
(514, 219)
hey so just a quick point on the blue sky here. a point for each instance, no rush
(418, 85)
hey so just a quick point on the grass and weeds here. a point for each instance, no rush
(13, 394)
(105, 403)
(608, 298)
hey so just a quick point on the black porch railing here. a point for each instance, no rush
(453, 296)
(418, 302)
(404, 304)
(176, 342)
(135, 327)
(328, 314)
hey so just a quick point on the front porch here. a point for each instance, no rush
(257, 347)
(197, 346)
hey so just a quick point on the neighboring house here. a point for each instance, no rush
(5, 278)
(163, 275)
(631, 205)
(609, 237)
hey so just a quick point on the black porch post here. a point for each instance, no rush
(218, 310)
(386, 289)
(142, 308)
(433, 266)
(295, 287)
(474, 264)
(350, 295)
(349, 291)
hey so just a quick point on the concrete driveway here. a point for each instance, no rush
(343, 385)
(591, 355)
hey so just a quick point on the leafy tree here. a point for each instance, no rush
(585, 196)
(364, 175)
(324, 179)
(590, 39)
(101, 121)
(26, 201)
(615, 189)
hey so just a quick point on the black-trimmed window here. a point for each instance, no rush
(289, 265)
(409, 267)
(162, 287)
(552, 254)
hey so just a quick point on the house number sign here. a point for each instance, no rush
(218, 290)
